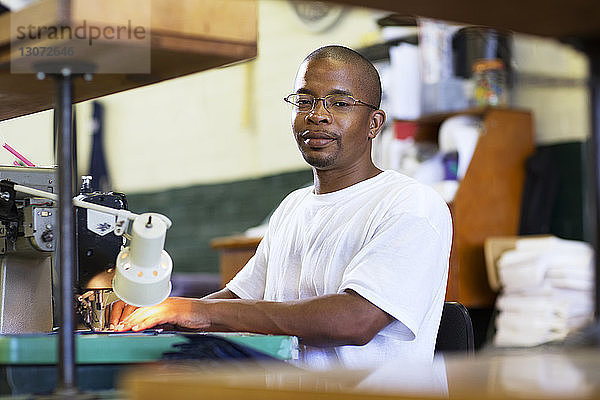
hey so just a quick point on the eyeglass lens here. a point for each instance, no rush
(333, 102)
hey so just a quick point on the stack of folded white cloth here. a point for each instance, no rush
(547, 291)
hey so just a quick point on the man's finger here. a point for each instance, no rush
(146, 323)
(127, 311)
(116, 309)
(136, 318)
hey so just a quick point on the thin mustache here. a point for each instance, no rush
(320, 134)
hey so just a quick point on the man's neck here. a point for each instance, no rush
(327, 181)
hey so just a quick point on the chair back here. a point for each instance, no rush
(456, 329)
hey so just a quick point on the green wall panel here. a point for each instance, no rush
(203, 212)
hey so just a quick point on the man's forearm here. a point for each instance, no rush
(221, 294)
(336, 319)
(339, 319)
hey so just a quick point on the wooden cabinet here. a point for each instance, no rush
(488, 199)
(234, 253)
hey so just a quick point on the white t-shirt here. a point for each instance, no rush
(387, 238)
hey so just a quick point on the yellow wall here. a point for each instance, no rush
(560, 103)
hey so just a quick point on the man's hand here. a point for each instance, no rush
(183, 312)
(119, 311)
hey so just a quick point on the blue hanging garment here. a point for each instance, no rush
(98, 169)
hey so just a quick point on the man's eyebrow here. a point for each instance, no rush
(333, 91)
(340, 91)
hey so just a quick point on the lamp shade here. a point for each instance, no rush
(143, 269)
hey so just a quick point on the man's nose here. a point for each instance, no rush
(319, 113)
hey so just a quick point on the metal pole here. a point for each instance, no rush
(592, 210)
(594, 58)
(66, 248)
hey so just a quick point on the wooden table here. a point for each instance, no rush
(531, 374)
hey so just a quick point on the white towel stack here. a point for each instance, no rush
(547, 291)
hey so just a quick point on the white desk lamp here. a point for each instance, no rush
(143, 270)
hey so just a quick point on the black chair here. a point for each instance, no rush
(456, 330)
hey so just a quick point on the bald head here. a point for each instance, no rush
(368, 75)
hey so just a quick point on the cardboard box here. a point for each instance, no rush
(493, 247)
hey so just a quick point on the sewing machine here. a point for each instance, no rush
(28, 238)
(119, 255)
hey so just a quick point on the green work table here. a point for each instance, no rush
(28, 361)
(126, 348)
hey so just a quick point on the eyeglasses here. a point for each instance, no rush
(333, 103)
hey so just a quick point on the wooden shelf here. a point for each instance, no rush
(429, 124)
(185, 37)
(488, 200)
(438, 118)
(555, 18)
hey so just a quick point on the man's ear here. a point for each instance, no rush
(376, 124)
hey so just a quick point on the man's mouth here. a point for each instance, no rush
(317, 139)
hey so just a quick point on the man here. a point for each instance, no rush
(355, 266)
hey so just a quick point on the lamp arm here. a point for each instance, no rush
(124, 217)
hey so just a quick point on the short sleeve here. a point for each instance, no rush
(249, 283)
(402, 269)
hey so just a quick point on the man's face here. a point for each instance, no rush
(330, 140)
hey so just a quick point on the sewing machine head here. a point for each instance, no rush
(97, 250)
(27, 243)
(28, 236)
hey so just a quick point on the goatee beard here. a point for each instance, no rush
(319, 162)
